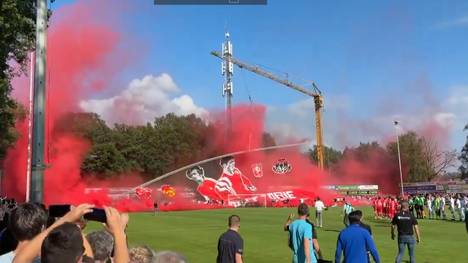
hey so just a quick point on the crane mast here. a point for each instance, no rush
(316, 94)
(227, 70)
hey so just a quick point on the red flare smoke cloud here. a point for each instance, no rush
(81, 58)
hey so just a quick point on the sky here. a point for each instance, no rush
(374, 61)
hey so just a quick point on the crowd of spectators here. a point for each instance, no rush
(437, 206)
(446, 206)
(30, 234)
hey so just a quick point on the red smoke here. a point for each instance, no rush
(82, 54)
(247, 129)
(247, 126)
(80, 59)
(15, 166)
(378, 168)
(78, 63)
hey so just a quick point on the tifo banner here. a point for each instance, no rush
(274, 179)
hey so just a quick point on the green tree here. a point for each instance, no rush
(17, 35)
(177, 140)
(103, 161)
(412, 157)
(464, 158)
(331, 156)
(365, 151)
(85, 125)
(169, 142)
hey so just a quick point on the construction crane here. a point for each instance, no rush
(315, 93)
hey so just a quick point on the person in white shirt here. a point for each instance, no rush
(319, 206)
(442, 206)
(452, 206)
(462, 207)
(429, 207)
(458, 206)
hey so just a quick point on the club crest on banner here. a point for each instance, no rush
(168, 190)
(282, 166)
(257, 170)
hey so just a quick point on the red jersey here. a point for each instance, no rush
(379, 204)
(235, 183)
(208, 189)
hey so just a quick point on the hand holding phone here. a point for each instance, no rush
(73, 214)
(116, 222)
(97, 214)
(58, 210)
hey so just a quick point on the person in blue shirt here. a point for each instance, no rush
(300, 237)
(354, 241)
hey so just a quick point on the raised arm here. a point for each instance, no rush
(29, 252)
(88, 250)
(288, 222)
(116, 224)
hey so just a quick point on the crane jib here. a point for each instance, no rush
(318, 99)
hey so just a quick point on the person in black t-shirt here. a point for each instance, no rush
(230, 243)
(407, 225)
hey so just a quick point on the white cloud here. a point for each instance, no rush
(457, 103)
(442, 121)
(142, 101)
(445, 119)
(461, 21)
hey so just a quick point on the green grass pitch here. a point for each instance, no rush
(195, 234)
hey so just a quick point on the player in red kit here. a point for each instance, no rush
(374, 207)
(379, 207)
(206, 186)
(392, 207)
(386, 206)
(232, 178)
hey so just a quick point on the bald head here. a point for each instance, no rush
(234, 221)
(404, 205)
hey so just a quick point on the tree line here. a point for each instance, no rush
(422, 158)
(172, 141)
(151, 150)
(17, 38)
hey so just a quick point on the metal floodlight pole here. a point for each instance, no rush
(399, 156)
(36, 193)
(30, 120)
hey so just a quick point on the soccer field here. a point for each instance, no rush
(195, 234)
